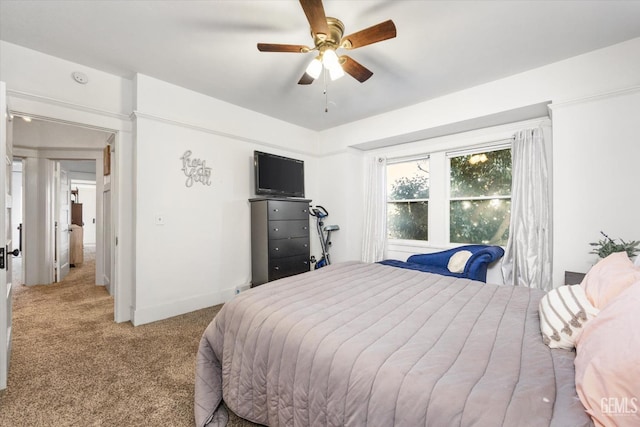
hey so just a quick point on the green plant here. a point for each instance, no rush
(605, 247)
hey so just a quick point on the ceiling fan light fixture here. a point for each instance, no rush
(314, 68)
(332, 63)
(330, 59)
(328, 36)
(336, 72)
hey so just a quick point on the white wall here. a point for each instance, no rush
(202, 251)
(339, 179)
(578, 79)
(38, 202)
(32, 75)
(596, 162)
(158, 99)
(87, 196)
(105, 103)
(597, 72)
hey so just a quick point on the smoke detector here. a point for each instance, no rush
(80, 77)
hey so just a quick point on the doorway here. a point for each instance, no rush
(44, 144)
(82, 177)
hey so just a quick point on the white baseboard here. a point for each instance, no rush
(175, 308)
(107, 284)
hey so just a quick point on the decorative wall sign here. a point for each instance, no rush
(196, 170)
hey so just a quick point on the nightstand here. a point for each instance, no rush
(573, 278)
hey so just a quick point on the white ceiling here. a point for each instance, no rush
(210, 46)
(44, 134)
(82, 166)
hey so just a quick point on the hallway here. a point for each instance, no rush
(89, 254)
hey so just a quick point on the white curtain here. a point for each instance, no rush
(527, 259)
(375, 211)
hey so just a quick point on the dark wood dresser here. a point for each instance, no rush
(279, 238)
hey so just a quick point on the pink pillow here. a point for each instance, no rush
(608, 362)
(608, 278)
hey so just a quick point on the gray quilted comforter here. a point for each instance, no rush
(371, 345)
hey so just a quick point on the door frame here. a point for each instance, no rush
(62, 225)
(6, 285)
(122, 183)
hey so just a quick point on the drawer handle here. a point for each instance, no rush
(305, 228)
(305, 245)
(275, 229)
(276, 268)
(276, 249)
(275, 210)
(304, 210)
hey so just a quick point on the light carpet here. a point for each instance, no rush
(72, 365)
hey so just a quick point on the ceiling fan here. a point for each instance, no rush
(328, 37)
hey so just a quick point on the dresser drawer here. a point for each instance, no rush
(285, 267)
(280, 209)
(288, 229)
(289, 247)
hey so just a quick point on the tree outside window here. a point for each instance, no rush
(408, 199)
(480, 197)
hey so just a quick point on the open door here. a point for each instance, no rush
(6, 247)
(63, 222)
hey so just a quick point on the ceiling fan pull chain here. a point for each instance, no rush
(326, 97)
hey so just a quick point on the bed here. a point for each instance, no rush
(368, 344)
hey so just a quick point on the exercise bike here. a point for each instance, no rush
(324, 234)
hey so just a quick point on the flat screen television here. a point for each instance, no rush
(278, 175)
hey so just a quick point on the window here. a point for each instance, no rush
(447, 198)
(408, 199)
(480, 197)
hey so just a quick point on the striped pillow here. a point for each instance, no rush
(563, 312)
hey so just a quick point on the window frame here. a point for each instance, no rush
(439, 141)
(489, 147)
(439, 221)
(407, 159)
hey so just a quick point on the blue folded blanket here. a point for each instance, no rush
(421, 267)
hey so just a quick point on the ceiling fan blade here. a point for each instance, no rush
(306, 79)
(315, 15)
(270, 47)
(355, 69)
(377, 33)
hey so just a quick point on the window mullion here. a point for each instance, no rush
(406, 200)
(504, 197)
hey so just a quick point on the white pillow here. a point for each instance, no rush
(563, 313)
(458, 261)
